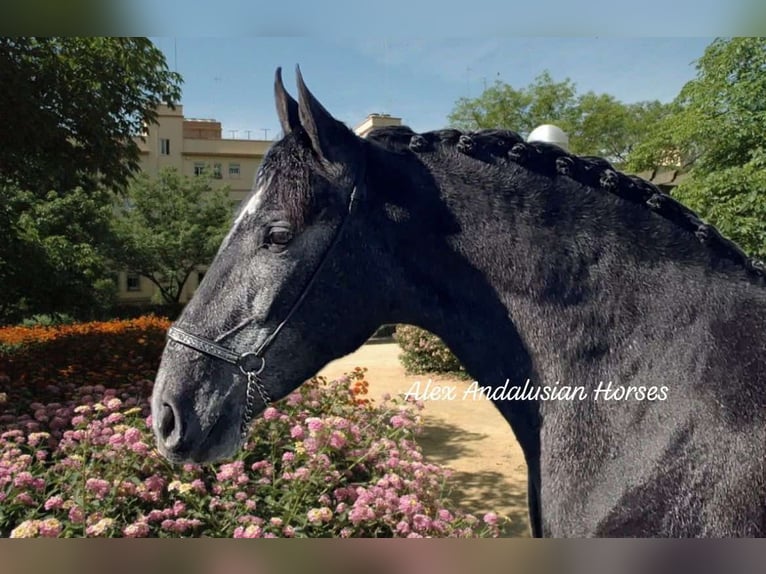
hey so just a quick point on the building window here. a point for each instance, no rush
(164, 146)
(217, 171)
(134, 282)
(234, 170)
(199, 168)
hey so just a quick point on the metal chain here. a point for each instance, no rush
(253, 385)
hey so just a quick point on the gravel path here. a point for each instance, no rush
(469, 436)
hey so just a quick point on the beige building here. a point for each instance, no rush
(193, 146)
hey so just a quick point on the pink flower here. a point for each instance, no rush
(288, 457)
(54, 503)
(179, 508)
(26, 499)
(76, 515)
(319, 515)
(445, 515)
(251, 531)
(139, 448)
(198, 486)
(99, 528)
(155, 483)
(113, 404)
(360, 513)
(114, 418)
(230, 471)
(155, 515)
(116, 440)
(421, 522)
(27, 529)
(297, 432)
(132, 435)
(311, 445)
(337, 439)
(410, 505)
(314, 424)
(270, 414)
(23, 480)
(138, 529)
(98, 487)
(50, 528)
(398, 421)
(490, 518)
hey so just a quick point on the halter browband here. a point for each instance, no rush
(248, 362)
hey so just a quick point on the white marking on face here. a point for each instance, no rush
(252, 206)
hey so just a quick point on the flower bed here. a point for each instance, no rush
(77, 455)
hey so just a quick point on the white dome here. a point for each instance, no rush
(550, 134)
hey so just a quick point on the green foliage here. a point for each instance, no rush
(424, 352)
(70, 106)
(521, 110)
(52, 257)
(597, 124)
(719, 118)
(718, 130)
(68, 110)
(734, 200)
(166, 227)
(50, 320)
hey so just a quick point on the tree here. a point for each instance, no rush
(69, 108)
(717, 130)
(502, 106)
(597, 124)
(52, 257)
(166, 227)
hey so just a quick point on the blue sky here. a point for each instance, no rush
(230, 79)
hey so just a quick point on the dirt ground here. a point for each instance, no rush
(468, 436)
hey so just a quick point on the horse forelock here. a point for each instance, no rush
(284, 178)
(504, 147)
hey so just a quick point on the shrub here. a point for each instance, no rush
(424, 352)
(78, 459)
(47, 320)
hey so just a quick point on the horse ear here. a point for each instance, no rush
(330, 138)
(287, 107)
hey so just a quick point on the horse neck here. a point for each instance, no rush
(544, 281)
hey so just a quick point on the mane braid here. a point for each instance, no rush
(503, 147)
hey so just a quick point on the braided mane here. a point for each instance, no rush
(504, 147)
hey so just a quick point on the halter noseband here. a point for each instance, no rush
(250, 363)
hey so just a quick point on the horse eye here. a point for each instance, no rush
(279, 236)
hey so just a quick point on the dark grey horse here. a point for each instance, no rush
(532, 265)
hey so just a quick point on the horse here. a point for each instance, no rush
(533, 265)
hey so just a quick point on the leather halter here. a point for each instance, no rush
(252, 363)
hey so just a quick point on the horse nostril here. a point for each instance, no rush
(167, 422)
